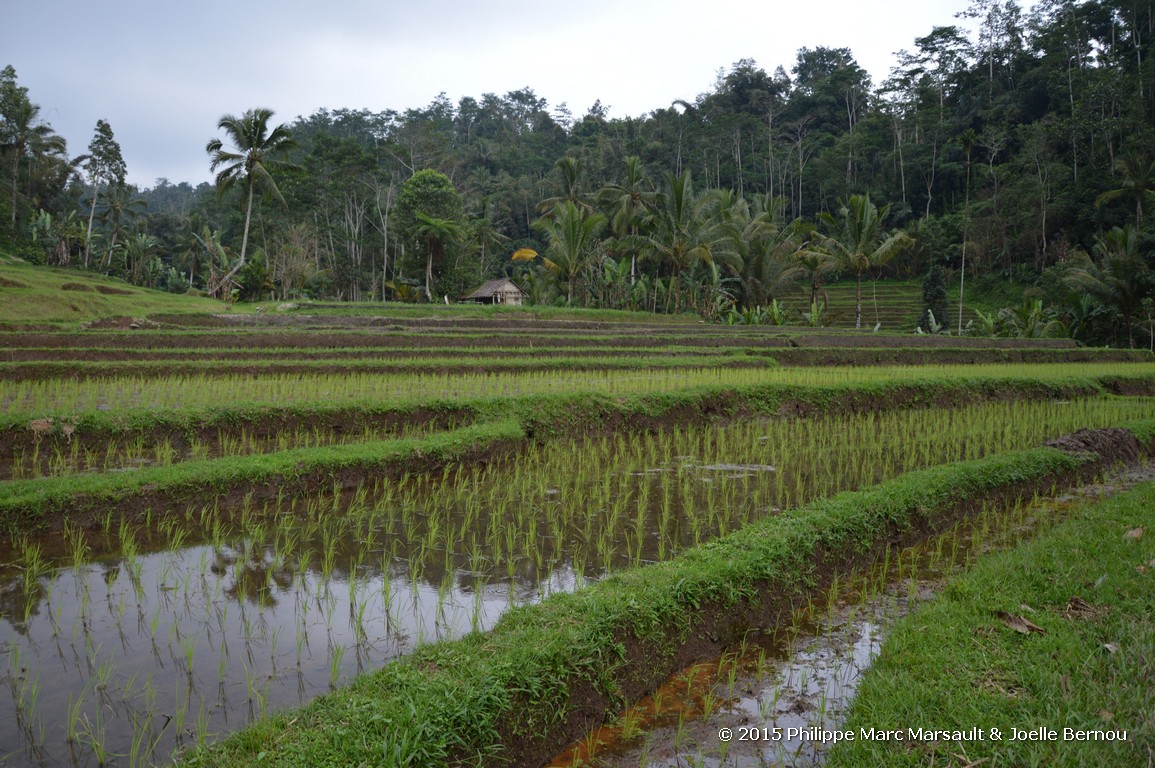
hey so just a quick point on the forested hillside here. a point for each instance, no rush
(1021, 151)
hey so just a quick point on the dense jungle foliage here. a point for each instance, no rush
(1019, 157)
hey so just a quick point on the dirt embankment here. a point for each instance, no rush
(327, 338)
(1112, 446)
(30, 363)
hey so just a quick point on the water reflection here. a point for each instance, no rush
(149, 654)
(126, 642)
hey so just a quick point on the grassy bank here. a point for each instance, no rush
(545, 413)
(545, 361)
(76, 398)
(485, 429)
(549, 672)
(37, 371)
(43, 295)
(84, 498)
(957, 663)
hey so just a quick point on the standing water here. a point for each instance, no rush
(123, 643)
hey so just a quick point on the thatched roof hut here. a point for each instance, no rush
(501, 291)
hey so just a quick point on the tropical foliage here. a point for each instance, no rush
(1007, 155)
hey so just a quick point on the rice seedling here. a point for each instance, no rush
(202, 390)
(336, 657)
(579, 507)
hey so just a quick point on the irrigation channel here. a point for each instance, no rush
(126, 642)
(787, 688)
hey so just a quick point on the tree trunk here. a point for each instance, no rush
(91, 216)
(962, 273)
(857, 300)
(429, 273)
(244, 240)
(15, 184)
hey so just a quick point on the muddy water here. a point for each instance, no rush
(119, 645)
(130, 657)
(778, 700)
(779, 697)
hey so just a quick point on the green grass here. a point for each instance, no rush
(462, 701)
(537, 417)
(954, 665)
(72, 397)
(540, 362)
(30, 294)
(399, 311)
(25, 503)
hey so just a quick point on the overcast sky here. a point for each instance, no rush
(162, 73)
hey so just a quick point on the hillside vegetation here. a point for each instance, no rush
(31, 294)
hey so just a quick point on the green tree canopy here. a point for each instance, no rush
(104, 165)
(256, 153)
(429, 215)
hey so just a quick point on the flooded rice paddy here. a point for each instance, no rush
(44, 458)
(122, 643)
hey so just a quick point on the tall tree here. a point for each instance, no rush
(103, 164)
(23, 135)
(626, 202)
(684, 232)
(430, 213)
(437, 234)
(1137, 184)
(256, 154)
(1118, 277)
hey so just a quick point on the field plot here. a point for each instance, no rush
(135, 631)
(73, 396)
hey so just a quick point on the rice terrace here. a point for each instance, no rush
(422, 535)
(799, 416)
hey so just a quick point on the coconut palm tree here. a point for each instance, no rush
(814, 268)
(29, 137)
(572, 236)
(1118, 278)
(858, 242)
(119, 207)
(571, 170)
(762, 249)
(138, 249)
(1138, 183)
(684, 230)
(626, 203)
(256, 154)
